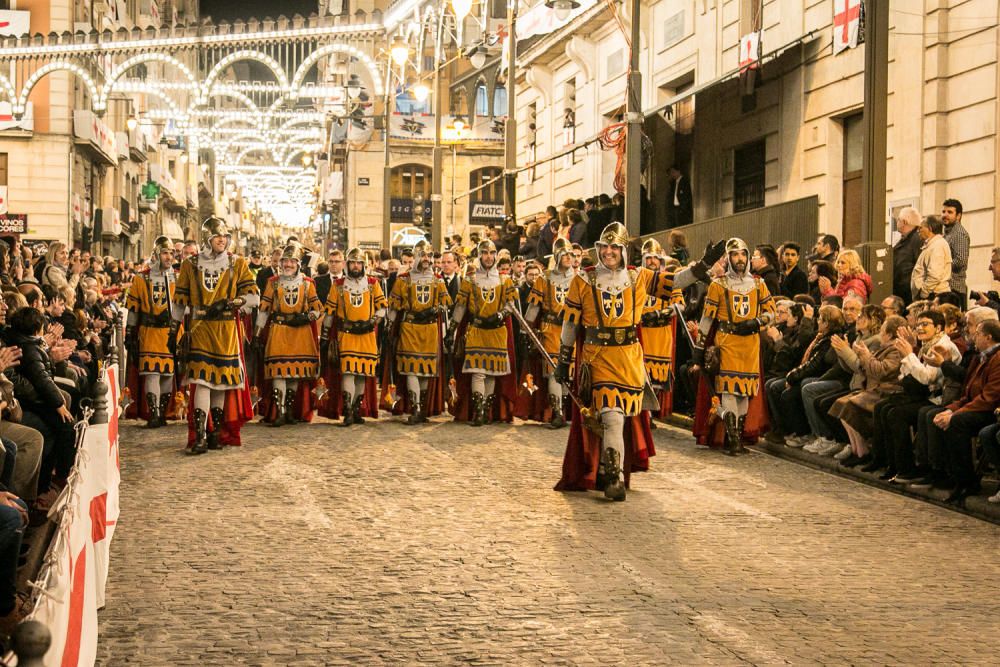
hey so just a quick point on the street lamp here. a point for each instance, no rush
(563, 8)
(131, 123)
(399, 50)
(458, 124)
(421, 91)
(354, 87)
(476, 56)
(306, 160)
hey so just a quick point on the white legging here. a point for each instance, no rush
(483, 383)
(738, 405)
(614, 433)
(352, 385)
(555, 387)
(206, 398)
(158, 385)
(284, 385)
(416, 384)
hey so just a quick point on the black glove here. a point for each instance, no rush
(561, 371)
(299, 319)
(217, 308)
(172, 337)
(713, 253)
(698, 356)
(747, 328)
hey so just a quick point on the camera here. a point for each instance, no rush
(974, 296)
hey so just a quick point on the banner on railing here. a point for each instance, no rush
(75, 570)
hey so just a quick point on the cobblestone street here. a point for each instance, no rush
(316, 545)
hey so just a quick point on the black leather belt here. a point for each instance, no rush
(426, 316)
(161, 321)
(204, 316)
(610, 336)
(490, 322)
(727, 328)
(290, 319)
(552, 318)
(357, 326)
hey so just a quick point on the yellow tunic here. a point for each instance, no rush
(739, 368)
(551, 299)
(486, 347)
(292, 351)
(658, 341)
(417, 349)
(150, 298)
(358, 351)
(214, 358)
(617, 371)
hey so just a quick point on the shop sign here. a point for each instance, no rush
(14, 223)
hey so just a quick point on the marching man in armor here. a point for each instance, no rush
(355, 306)
(738, 305)
(484, 299)
(148, 330)
(607, 303)
(547, 298)
(418, 301)
(657, 333)
(291, 306)
(211, 287)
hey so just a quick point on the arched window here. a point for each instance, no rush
(482, 100)
(408, 182)
(499, 102)
(486, 205)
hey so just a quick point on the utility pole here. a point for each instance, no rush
(437, 178)
(387, 170)
(633, 138)
(510, 147)
(876, 253)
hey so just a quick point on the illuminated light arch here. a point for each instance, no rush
(45, 70)
(314, 57)
(246, 54)
(116, 74)
(298, 149)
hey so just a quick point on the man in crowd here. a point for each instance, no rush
(827, 248)
(792, 280)
(680, 202)
(905, 252)
(449, 274)
(268, 272)
(932, 272)
(336, 262)
(959, 242)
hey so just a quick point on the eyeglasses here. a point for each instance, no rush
(924, 323)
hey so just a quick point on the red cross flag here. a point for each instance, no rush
(749, 51)
(848, 23)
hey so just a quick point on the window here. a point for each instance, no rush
(486, 205)
(569, 121)
(406, 103)
(482, 100)
(500, 102)
(3, 169)
(406, 182)
(531, 121)
(748, 176)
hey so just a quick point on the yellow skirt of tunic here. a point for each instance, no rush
(291, 352)
(358, 353)
(617, 376)
(738, 368)
(486, 351)
(417, 352)
(154, 351)
(657, 349)
(215, 353)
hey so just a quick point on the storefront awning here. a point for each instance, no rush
(172, 229)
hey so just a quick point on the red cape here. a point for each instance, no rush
(708, 429)
(506, 385)
(139, 408)
(583, 448)
(435, 386)
(666, 395)
(305, 400)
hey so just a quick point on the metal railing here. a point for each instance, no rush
(796, 220)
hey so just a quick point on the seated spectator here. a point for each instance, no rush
(59, 273)
(808, 306)
(923, 384)
(820, 269)
(962, 420)
(879, 373)
(784, 395)
(785, 341)
(894, 305)
(851, 278)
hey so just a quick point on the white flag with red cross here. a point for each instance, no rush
(848, 24)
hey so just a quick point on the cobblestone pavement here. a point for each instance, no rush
(383, 544)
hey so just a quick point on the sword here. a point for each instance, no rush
(683, 325)
(547, 357)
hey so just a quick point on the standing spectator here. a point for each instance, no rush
(680, 201)
(932, 272)
(958, 240)
(827, 247)
(323, 281)
(270, 270)
(792, 280)
(548, 233)
(678, 245)
(851, 278)
(577, 232)
(905, 252)
(991, 299)
(764, 264)
(529, 248)
(450, 274)
(59, 273)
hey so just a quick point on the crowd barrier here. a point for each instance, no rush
(61, 630)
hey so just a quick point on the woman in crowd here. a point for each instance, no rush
(851, 278)
(60, 274)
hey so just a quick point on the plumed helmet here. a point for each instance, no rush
(736, 245)
(652, 248)
(292, 251)
(355, 255)
(162, 244)
(614, 234)
(560, 248)
(213, 227)
(486, 246)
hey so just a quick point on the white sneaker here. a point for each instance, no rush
(831, 448)
(995, 498)
(843, 453)
(795, 441)
(813, 445)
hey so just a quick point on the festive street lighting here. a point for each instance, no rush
(354, 87)
(399, 50)
(421, 91)
(131, 123)
(461, 8)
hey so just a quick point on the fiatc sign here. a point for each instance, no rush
(485, 213)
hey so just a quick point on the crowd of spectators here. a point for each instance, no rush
(56, 320)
